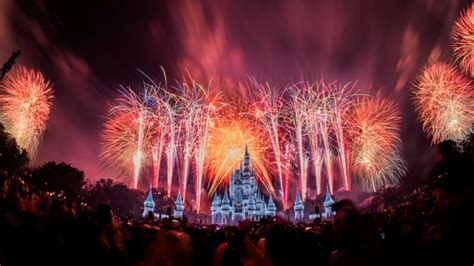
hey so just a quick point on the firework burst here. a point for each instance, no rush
(374, 130)
(444, 100)
(25, 100)
(127, 138)
(227, 142)
(463, 35)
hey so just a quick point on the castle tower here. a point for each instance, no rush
(246, 162)
(259, 210)
(215, 209)
(246, 177)
(328, 202)
(178, 211)
(253, 182)
(271, 207)
(251, 208)
(298, 208)
(238, 211)
(149, 204)
(242, 198)
(226, 209)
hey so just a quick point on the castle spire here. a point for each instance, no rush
(328, 197)
(298, 208)
(149, 204)
(271, 207)
(328, 202)
(179, 208)
(225, 200)
(298, 199)
(149, 198)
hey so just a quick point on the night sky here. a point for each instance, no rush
(87, 48)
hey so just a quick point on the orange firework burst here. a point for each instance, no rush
(26, 99)
(445, 103)
(463, 35)
(227, 140)
(128, 133)
(374, 131)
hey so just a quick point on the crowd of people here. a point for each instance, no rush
(433, 225)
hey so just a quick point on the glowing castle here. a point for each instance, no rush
(244, 200)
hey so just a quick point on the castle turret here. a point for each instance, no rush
(238, 213)
(328, 202)
(215, 208)
(225, 208)
(251, 207)
(298, 208)
(271, 207)
(149, 204)
(246, 173)
(179, 207)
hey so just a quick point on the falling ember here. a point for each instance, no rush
(375, 133)
(444, 100)
(227, 140)
(25, 100)
(463, 35)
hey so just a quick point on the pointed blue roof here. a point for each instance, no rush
(149, 198)
(246, 151)
(328, 199)
(226, 200)
(179, 200)
(298, 199)
(270, 201)
(216, 201)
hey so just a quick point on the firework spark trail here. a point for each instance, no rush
(187, 146)
(207, 109)
(463, 36)
(25, 100)
(169, 138)
(137, 158)
(323, 125)
(193, 133)
(341, 101)
(202, 145)
(268, 113)
(375, 131)
(286, 176)
(157, 153)
(312, 106)
(312, 121)
(444, 100)
(298, 110)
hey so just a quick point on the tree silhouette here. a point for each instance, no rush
(59, 178)
(119, 196)
(13, 160)
(9, 64)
